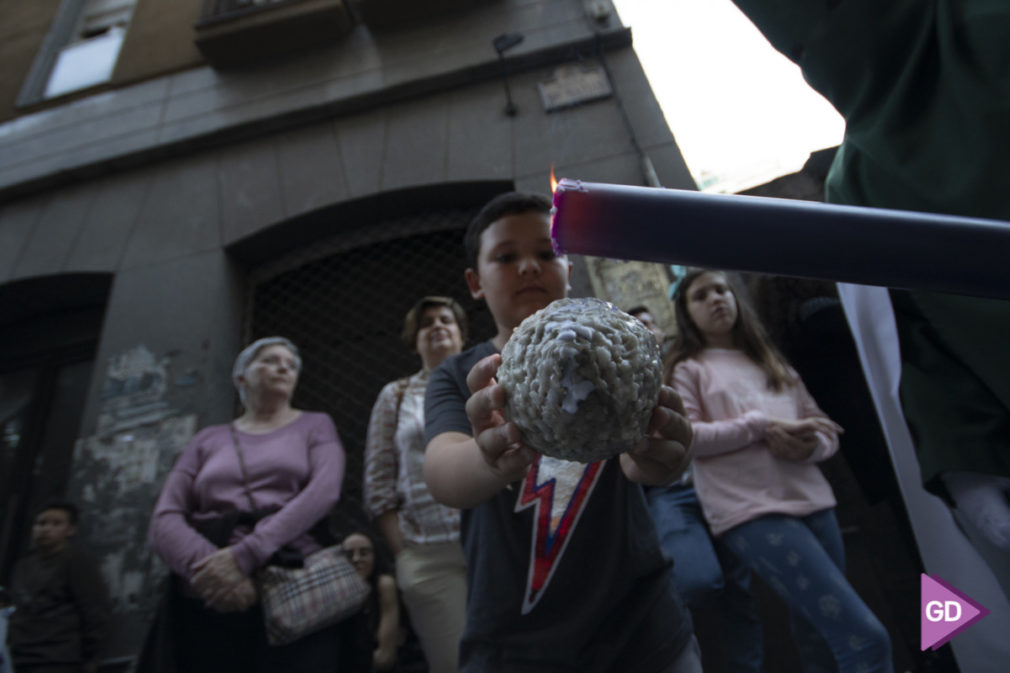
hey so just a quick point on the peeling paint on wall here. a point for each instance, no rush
(133, 455)
(134, 391)
(118, 471)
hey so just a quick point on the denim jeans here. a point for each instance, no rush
(803, 561)
(705, 571)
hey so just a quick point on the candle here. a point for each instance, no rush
(868, 246)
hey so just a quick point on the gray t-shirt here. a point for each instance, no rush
(564, 568)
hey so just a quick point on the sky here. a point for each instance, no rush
(740, 111)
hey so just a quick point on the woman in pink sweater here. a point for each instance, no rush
(213, 534)
(758, 436)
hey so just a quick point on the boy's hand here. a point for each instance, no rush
(665, 452)
(498, 440)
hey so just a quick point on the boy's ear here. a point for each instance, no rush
(473, 282)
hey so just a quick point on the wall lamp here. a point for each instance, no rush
(503, 43)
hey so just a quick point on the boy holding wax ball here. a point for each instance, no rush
(564, 568)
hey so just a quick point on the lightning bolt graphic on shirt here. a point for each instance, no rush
(558, 490)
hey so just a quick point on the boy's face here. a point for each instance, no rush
(52, 529)
(517, 271)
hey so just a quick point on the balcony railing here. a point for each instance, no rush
(215, 11)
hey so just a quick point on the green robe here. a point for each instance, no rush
(924, 87)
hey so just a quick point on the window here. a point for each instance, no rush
(80, 50)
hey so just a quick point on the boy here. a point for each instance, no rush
(564, 570)
(60, 599)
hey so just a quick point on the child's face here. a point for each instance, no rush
(711, 305)
(517, 271)
(360, 553)
(52, 529)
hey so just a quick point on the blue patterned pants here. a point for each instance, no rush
(803, 561)
(705, 572)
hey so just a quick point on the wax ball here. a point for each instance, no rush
(581, 379)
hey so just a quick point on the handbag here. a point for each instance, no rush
(298, 601)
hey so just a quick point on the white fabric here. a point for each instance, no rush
(982, 498)
(946, 552)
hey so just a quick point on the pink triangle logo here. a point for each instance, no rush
(946, 612)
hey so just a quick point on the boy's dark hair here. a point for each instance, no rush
(73, 514)
(509, 203)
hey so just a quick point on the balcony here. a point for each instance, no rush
(233, 33)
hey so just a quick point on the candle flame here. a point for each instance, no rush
(554, 181)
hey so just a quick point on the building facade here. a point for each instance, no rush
(177, 178)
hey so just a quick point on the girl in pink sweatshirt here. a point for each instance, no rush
(758, 436)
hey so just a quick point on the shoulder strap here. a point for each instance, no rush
(241, 464)
(401, 388)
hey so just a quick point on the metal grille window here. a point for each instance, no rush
(342, 302)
